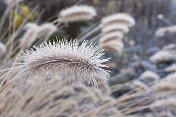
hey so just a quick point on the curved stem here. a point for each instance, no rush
(89, 33)
(14, 78)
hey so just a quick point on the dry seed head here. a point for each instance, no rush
(138, 85)
(171, 68)
(2, 48)
(115, 36)
(162, 56)
(67, 59)
(31, 26)
(119, 18)
(115, 46)
(161, 31)
(149, 76)
(165, 85)
(77, 13)
(47, 28)
(28, 38)
(115, 28)
(170, 76)
(170, 47)
(30, 35)
(167, 104)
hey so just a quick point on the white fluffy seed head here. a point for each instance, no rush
(31, 26)
(162, 56)
(115, 28)
(2, 48)
(161, 31)
(138, 85)
(67, 59)
(28, 38)
(167, 104)
(77, 13)
(113, 46)
(149, 76)
(165, 85)
(171, 68)
(119, 18)
(30, 35)
(111, 37)
(171, 46)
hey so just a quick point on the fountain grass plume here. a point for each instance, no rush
(77, 13)
(66, 59)
(119, 18)
(114, 45)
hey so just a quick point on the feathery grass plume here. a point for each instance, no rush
(119, 18)
(138, 85)
(149, 76)
(165, 85)
(115, 46)
(111, 37)
(170, 47)
(77, 13)
(30, 35)
(47, 29)
(162, 56)
(67, 59)
(31, 26)
(171, 68)
(161, 31)
(166, 104)
(115, 28)
(2, 48)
